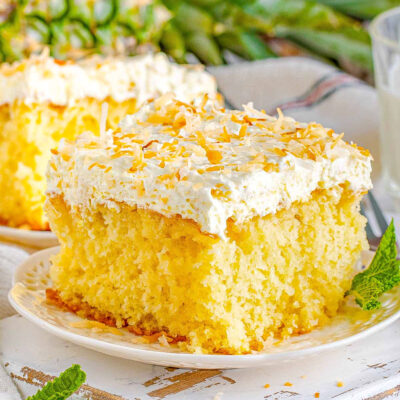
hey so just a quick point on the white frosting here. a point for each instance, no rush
(253, 177)
(44, 79)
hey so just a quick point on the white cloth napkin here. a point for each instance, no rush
(10, 256)
(305, 89)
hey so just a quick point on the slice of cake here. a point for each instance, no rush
(220, 228)
(43, 99)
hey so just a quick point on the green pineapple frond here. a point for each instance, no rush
(73, 28)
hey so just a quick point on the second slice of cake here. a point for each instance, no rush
(43, 99)
(219, 229)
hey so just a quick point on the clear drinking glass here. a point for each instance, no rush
(385, 32)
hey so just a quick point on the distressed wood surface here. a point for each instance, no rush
(369, 370)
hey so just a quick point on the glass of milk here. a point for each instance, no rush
(385, 32)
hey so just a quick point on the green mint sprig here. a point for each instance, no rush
(63, 386)
(382, 275)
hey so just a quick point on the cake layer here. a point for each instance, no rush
(40, 79)
(274, 276)
(27, 134)
(204, 163)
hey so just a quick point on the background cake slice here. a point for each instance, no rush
(221, 228)
(43, 100)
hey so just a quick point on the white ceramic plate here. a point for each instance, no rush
(39, 239)
(28, 297)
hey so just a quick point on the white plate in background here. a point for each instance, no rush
(41, 239)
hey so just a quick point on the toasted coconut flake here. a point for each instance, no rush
(98, 165)
(220, 193)
(65, 157)
(279, 152)
(215, 168)
(214, 156)
(243, 131)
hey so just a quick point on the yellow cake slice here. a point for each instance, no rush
(43, 100)
(220, 229)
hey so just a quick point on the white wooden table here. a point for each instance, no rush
(369, 370)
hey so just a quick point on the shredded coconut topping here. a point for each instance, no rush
(205, 163)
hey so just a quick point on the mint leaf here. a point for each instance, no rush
(62, 387)
(382, 275)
